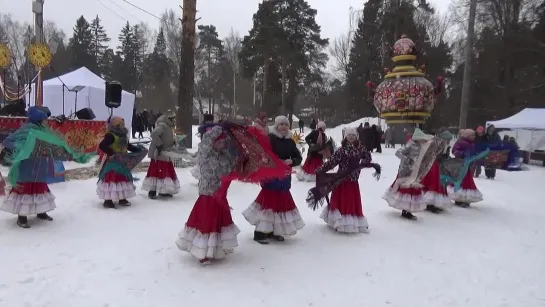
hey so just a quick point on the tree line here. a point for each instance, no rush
(283, 64)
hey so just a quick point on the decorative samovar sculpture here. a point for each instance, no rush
(405, 96)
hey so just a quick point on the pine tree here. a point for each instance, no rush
(128, 74)
(285, 37)
(99, 43)
(210, 46)
(156, 85)
(365, 60)
(81, 46)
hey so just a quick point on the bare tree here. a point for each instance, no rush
(340, 50)
(233, 45)
(16, 37)
(171, 26)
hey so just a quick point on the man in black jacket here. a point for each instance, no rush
(491, 138)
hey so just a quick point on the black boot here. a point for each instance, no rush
(461, 204)
(260, 237)
(408, 215)
(44, 216)
(108, 204)
(275, 237)
(165, 195)
(124, 202)
(22, 221)
(433, 209)
(152, 195)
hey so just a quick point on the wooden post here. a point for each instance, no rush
(37, 9)
(466, 86)
(187, 70)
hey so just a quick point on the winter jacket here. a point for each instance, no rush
(213, 163)
(369, 138)
(110, 145)
(463, 148)
(205, 127)
(313, 124)
(285, 148)
(347, 157)
(311, 140)
(162, 139)
(408, 154)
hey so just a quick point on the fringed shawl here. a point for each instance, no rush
(36, 142)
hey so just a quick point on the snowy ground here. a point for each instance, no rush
(489, 255)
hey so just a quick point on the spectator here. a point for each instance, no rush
(389, 138)
(301, 126)
(313, 124)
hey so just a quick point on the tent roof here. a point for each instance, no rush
(81, 76)
(529, 118)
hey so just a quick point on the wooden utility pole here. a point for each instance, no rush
(38, 9)
(466, 86)
(187, 71)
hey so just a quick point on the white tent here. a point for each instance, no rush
(528, 128)
(91, 96)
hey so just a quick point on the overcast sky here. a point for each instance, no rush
(224, 14)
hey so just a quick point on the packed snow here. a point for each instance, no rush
(491, 254)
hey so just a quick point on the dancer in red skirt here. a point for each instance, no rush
(161, 177)
(468, 192)
(29, 194)
(408, 199)
(315, 140)
(435, 193)
(210, 232)
(115, 180)
(273, 213)
(344, 212)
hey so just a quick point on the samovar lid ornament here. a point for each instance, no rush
(405, 96)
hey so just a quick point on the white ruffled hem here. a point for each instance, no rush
(115, 191)
(208, 245)
(407, 202)
(196, 172)
(279, 223)
(344, 223)
(161, 186)
(303, 176)
(28, 204)
(465, 196)
(436, 199)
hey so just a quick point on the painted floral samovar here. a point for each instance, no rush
(405, 96)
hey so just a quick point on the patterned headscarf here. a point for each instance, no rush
(116, 126)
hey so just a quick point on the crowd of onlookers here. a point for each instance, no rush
(143, 121)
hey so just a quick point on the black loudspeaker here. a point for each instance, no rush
(86, 113)
(45, 110)
(113, 94)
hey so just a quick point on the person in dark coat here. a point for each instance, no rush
(301, 126)
(360, 130)
(313, 124)
(369, 136)
(491, 137)
(377, 138)
(316, 141)
(275, 200)
(140, 125)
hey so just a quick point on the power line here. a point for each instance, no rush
(151, 14)
(111, 10)
(143, 10)
(121, 8)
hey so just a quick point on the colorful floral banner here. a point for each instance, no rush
(82, 135)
